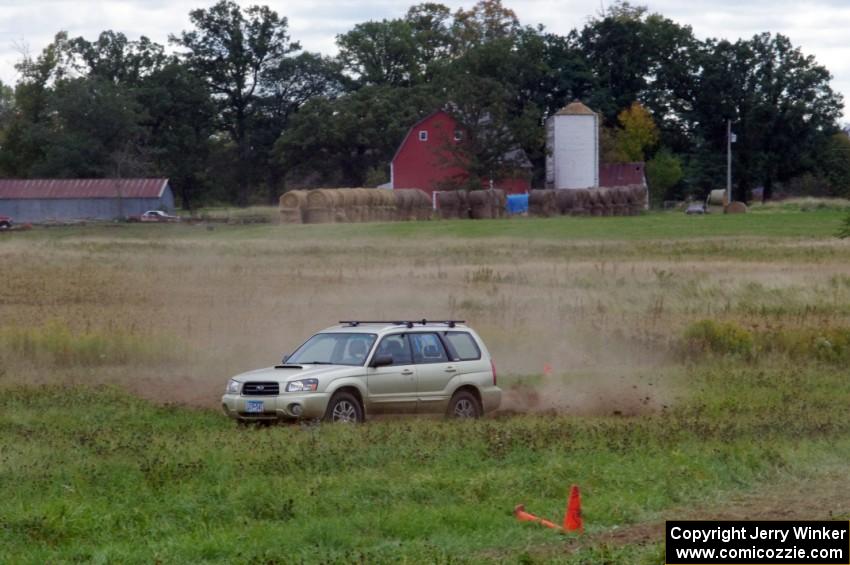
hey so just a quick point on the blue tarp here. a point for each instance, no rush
(517, 204)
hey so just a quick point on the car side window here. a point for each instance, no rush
(397, 347)
(427, 348)
(463, 346)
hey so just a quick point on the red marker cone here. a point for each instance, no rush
(524, 516)
(572, 519)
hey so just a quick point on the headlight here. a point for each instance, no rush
(306, 385)
(233, 387)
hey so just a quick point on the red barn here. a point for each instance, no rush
(621, 174)
(423, 160)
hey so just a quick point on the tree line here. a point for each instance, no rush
(238, 112)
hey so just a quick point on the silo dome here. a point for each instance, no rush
(572, 143)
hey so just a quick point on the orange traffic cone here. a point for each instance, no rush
(572, 519)
(524, 516)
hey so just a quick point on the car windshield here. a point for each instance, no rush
(334, 349)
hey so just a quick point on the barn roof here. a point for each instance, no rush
(413, 127)
(621, 174)
(575, 108)
(11, 189)
(517, 154)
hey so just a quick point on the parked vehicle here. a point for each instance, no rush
(359, 368)
(5, 222)
(155, 216)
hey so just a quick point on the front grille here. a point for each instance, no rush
(260, 389)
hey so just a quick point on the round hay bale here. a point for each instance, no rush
(463, 204)
(640, 194)
(346, 197)
(536, 202)
(372, 198)
(499, 202)
(637, 199)
(566, 199)
(717, 197)
(620, 200)
(293, 199)
(582, 202)
(595, 202)
(406, 200)
(318, 216)
(735, 207)
(543, 202)
(448, 204)
(618, 195)
(423, 213)
(607, 201)
(291, 216)
(636, 194)
(357, 196)
(401, 199)
(480, 204)
(323, 198)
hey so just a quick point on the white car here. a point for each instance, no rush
(349, 371)
(158, 216)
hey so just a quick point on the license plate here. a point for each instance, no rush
(254, 406)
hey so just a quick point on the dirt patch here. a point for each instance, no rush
(823, 498)
(617, 391)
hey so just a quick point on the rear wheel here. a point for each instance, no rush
(4, 225)
(464, 406)
(344, 408)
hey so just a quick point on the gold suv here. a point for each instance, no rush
(345, 372)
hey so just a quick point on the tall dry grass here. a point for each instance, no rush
(172, 318)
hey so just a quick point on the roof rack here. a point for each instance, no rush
(408, 323)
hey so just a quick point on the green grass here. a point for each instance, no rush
(96, 475)
(755, 397)
(819, 223)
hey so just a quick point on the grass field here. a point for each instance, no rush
(699, 370)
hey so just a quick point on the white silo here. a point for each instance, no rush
(572, 143)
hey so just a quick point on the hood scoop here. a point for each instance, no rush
(288, 366)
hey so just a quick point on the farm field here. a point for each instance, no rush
(671, 366)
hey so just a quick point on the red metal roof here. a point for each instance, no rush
(81, 188)
(621, 174)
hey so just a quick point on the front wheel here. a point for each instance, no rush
(5, 225)
(464, 406)
(344, 408)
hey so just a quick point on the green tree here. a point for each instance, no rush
(636, 55)
(381, 53)
(638, 134)
(835, 164)
(114, 58)
(235, 51)
(431, 28)
(487, 20)
(663, 172)
(338, 141)
(179, 118)
(779, 100)
(93, 131)
(289, 86)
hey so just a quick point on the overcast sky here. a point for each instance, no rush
(820, 27)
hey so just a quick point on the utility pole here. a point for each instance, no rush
(728, 161)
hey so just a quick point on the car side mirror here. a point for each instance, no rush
(283, 361)
(381, 360)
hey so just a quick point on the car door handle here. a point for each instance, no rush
(407, 372)
(451, 370)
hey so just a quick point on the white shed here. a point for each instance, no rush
(572, 143)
